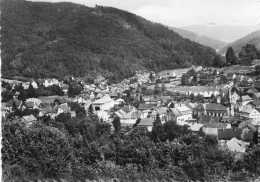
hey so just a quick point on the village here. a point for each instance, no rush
(222, 103)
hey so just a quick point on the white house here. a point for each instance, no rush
(246, 99)
(250, 113)
(34, 84)
(181, 114)
(104, 104)
(236, 145)
(50, 82)
(128, 115)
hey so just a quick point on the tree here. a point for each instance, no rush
(231, 57)
(31, 93)
(137, 122)
(157, 89)
(257, 69)
(247, 54)
(158, 133)
(116, 124)
(74, 89)
(151, 77)
(218, 61)
(80, 110)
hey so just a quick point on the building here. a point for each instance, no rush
(104, 104)
(128, 115)
(245, 99)
(180, 114)
(146, 124)
(146, 110)
(162, 112)
(249, 112)
(214, 110)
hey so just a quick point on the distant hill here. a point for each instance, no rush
(252, 38)
(42, 39)
(226, 33)
(203, 40)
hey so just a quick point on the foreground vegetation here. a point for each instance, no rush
(84, 148)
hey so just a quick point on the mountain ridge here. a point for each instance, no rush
(43, 39)
(227, 33)
(251, 38)
(201, 39)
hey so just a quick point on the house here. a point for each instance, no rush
(151, 100)
(255, 62)
(146, 110)
(146, 123)
(5, 108)
(33, 103)
(47, 110)
(29, 120)
(255, 104)
(204, 91)
(63, 108)
(104, 115)
(236, 145)
(248, 131)
(195, 127)
(34, 84)
(50, 99)
(104, 104)
(245, 99)
(212, 128)
(256, 95)
(228, 133)
(251, 91)
(249, 112)
(180, 114)
(50, 82)
(162, 112)
(128, 115)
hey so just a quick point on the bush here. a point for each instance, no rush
(41, 150)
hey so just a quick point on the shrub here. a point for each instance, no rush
(40, 150)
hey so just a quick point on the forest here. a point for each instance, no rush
(42, 40)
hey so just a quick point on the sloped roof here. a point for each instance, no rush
(146, 106)
(236, 145)
(215, 125)
(255, 102)
(146, 122)
(246, 109)
(50, 99)
(251, 91)
(29, 118)
(103, 100)
(226, 134)
(246, 98)
(64, 107)
(162, 110)
(247, 124)
(257, 94)
(176, 112)
(214, 107)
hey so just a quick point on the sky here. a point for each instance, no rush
(179, 13)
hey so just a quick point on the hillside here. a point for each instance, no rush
(252, 38)
(203, 40)
(226, 33)
(42, 39)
